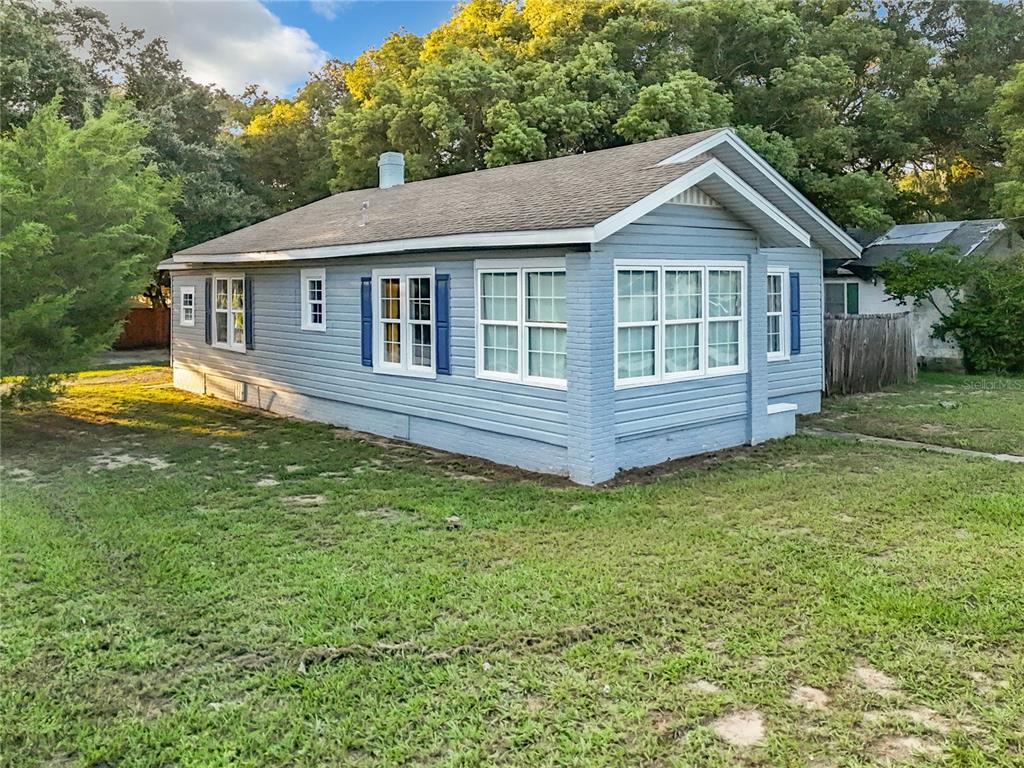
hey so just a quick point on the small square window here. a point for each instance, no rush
(314, 299)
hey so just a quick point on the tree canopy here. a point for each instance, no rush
(877, 111)
(86, 216)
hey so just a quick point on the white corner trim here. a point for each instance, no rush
(444, 242)
(728, 136)
(713, 167)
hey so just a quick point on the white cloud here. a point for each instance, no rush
(327, 8)
(229, 43)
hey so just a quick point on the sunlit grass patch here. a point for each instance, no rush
(282, 592)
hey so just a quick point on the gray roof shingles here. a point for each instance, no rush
(564, 192)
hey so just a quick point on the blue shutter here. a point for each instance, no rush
(208, 294)
(248, 312)
(442, 304)
(794, 313)
(366, 309)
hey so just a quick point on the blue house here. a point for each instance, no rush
(577, 316)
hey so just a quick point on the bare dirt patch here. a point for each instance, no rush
(704, 686)
(267, 482)
(292, 468)
(119, 460)
(923, 716)
(742, 728)
(304, 500)
(892, 749)
(809, 698)
(385, 513)
(875, 680)
(20, 474)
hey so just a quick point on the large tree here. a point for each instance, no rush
(86, 216)
(876, 110)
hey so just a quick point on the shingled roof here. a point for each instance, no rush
(561, 193)
(574, 199)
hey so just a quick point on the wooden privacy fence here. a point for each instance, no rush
(146, 327)
(864, 353)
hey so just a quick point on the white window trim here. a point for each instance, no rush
(307, 306)
(521, 267)
(405, 368)
(187, 290)
(703, 372)
(846, 295)
(782, 354)
(230, 344)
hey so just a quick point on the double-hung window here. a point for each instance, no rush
(521, 322)
(314, 300)
(842, 298)
(229, 312)
(188, 305)
(403, 314)
(777, 313)
(677, 320)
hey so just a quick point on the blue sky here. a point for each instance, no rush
(345, 29)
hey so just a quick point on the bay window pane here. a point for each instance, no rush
(636, 352)
(545, 297)
(499, 294)
(774, 293)
(221, 321)
(724, 293)
(546, 352)
(501, 348)
(682, 348)
(392, 342)
(682, 295)
(723, 343)
(421, 344)
(774, 333)
(419, 298)
(222, 294)
(391, 298)
(238, 326)
(237, 293)
(638, 295)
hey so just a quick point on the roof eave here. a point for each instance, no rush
(466, 241)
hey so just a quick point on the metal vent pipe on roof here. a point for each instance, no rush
(391, 166)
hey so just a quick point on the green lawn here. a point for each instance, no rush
(984, 413)
(166, 603)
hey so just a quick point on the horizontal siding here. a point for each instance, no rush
(327, 365)
(802, 373)
(682, 232)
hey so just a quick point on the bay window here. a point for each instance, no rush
(521, 322)
(676, 320)
(229, 312)
(403, 312)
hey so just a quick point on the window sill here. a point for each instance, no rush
(318, 328)
(655, 381)
(778, 358)
(226, 348)
(405, 372)
(524, 381)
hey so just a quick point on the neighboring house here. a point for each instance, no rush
(855, 287)
(576, 316)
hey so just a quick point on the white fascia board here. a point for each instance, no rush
(444, 242)
(712, 167)
(728, 136)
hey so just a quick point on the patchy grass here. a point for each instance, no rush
(983, 413)
(808, 602)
